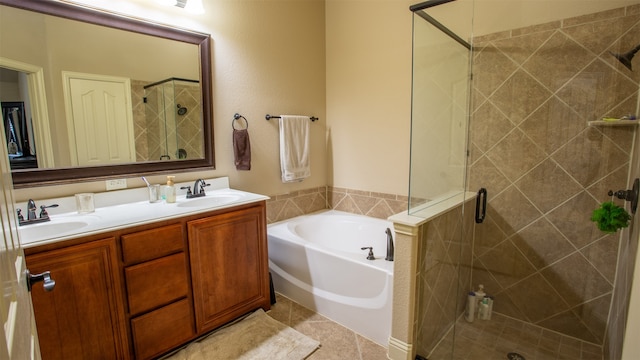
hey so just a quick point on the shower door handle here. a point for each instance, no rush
(481, 205)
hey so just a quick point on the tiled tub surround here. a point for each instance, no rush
(296, 203)
(374, 204)
(545, 170)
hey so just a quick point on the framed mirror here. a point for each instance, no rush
(158, 117)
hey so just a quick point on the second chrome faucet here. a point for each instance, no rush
(198, 189)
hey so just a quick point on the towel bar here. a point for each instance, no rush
(268, 117)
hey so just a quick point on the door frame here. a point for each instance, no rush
(39, 109)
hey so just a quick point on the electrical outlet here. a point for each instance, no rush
(116, 184)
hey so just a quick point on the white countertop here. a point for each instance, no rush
(125, 208)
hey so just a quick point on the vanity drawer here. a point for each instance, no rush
(161, 330)
(156, 283)
(152, 244)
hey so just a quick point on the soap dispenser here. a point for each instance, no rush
(479, 297)
(170, 190)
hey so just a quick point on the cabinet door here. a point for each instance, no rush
(229, 270)
(83, 317)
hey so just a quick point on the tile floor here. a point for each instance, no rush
(480, 340)
(495, 338)
(337, 342)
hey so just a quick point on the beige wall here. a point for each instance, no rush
(362, 96)
(368, 94)
(268, 57)
(261, 66)
(365, 104)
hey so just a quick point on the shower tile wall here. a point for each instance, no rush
(189, 125)
(545, 169)
(154, 117)
(444, 263)
(139, 122)
(149, 136)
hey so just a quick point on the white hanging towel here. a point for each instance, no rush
(294, 148)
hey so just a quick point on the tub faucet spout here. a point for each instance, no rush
(390, 250)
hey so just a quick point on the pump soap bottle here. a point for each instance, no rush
(170, 190)
(479, 297)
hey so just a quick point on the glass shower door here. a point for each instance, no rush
(439, 117)
(439, 126)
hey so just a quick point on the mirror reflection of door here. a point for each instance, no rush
(99, 118)
(19, 135)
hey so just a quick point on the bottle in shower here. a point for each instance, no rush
(479, 297)
(483, 309)
(470, 311)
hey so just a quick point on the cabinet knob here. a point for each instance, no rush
(47, 282)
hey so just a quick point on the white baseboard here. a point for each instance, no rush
(399, 350)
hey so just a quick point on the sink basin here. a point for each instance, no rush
(50, 229)
(211, 200)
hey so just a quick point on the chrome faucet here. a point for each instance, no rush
(370, 256)
(390, 250)
(32, 218)
(198, 188)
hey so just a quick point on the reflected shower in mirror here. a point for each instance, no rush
(171, 131)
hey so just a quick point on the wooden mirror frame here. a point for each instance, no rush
(40, 177)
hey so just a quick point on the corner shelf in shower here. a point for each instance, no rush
(613, 123)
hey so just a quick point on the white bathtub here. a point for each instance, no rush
(316, 261)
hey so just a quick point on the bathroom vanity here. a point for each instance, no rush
(142, 289)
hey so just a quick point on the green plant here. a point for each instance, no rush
(610, 217)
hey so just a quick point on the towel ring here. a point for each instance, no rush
(237, 116)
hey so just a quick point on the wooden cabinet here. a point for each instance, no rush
(83, 317)
(144, 291)
(229, 266)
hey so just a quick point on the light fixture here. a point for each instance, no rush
(190, 6)
(194, 6)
